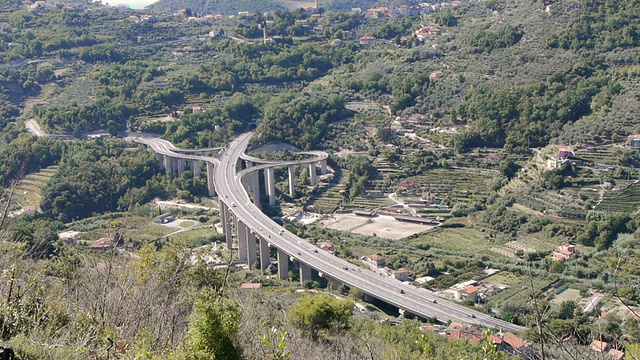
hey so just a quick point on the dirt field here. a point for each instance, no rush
(383, 226)
(344, 222)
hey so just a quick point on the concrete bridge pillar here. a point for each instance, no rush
(323, 167)
(367, 298)
(292, 180)
(211, 187)
(252, 256)
(174, 166)
(312, 173)
(244, 182)
(265, 254)
(181, 166)
(166, 164)
(242, 241)
(255, 186)
(305, 273)
(160, 158)
(195, 168)
(269, 179)
(333, 283)
(283, 265)
(226, 228)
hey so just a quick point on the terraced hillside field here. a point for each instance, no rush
(607, 155)
(626, 200)
(458, 184)
(28, 192)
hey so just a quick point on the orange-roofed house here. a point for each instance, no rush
(101, 244)
(497, 340)
(456, 325)
(564, 252)
(327, 246)
(616, 354)
(600, 346)
(377, 260)
(368, 40)
(462, 334)
(516, 346)
(468, 292)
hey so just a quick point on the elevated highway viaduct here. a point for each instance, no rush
(256, 232)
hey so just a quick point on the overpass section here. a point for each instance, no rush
(256, 233)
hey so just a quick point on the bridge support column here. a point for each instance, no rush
(160, 158)
(323, 167)
(174, 166)
(195, 168)
(333, 283)
(265, 254)
(270, 185)
(210, 183)
(255, 185)
(226, 228)
(312, 174)
(252, 255)
(305, 273)
(181, 166)
(166, 164)
(242, 241)
(367, 298)
(292, 180)
(283, 265)
(244, 183)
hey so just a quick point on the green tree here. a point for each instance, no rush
(213, 326)
(557, 267)
(315, 313)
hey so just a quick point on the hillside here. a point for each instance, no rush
(226, 7)
(229, 7)
(503, 123)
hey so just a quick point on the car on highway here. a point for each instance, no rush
(233, 204)
(401, 291)
(471, 316)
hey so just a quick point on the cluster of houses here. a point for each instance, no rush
(145, 18)
(405, 10)
(378, 260)
(427, 31)
(474, 290)
(605, 348)
(507, 342)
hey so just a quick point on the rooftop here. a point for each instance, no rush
(514, 341)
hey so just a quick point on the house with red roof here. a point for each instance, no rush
(616, 354)
(377, 260)
(564, 252)
(600, 346)
(102, 244)
(516, 346)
